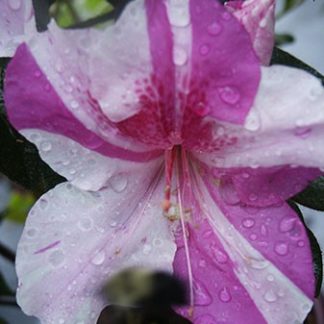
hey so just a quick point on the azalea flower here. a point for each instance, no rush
(15, 16)
(179, 152)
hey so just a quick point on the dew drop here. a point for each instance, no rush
(270, 278)
(202, 297)
(37, 73)
(301, 243)
(287, 224)
(220, 256)
(14, 4)
(74, 104)
(180, 56)
(147, 249)
(31, 232)
(61, 321)
(204, 49)
(253, 237)
(229, 95)
(226, 16)
(99, 258)
(85, 224)
(214, 29)
(281, 248)
(46, 146)
(248, 222)
(252, 122)
(43, 203)
(225, 295)
(179, 16)
(56, 258)
(229, 193)
(270, 296)
(119, 182)
(253, 197)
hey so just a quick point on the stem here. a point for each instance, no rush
(7, 253)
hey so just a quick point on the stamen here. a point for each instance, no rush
(169, 158)
(183, 226)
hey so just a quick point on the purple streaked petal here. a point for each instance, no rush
(284, 127)
(40, 107)
(243, 258)
(14, 17)
(258, 17)
(100, 234)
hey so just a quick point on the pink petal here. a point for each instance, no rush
(14, 16)
(284, 127)
(258, 18)
(224, 74)
(249, 265)
(75, 240)
(80, 154)
(270, 186)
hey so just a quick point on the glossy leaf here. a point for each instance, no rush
(313, 195)
(283, 58)
(316, 252)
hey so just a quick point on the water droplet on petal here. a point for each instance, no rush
(85, 224)
(301, 243)
(281, 248)
(229, 193)
(248, 222)
(119, 182)
(214, 29)
(252, 122)
(202, 297)
(287, 224)
(43, 203)
(14, 4)
(253, 197)
(180, 56)
(270, 278)
(61, 321)
(74, 104)
(31, 232)
(56, 258)
(270, 296)
(229, 95)
(225, 295)
(147, 249)
(99, 258)
(46, 146)
(204, 49)
(220, 256)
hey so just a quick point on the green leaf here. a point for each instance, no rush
(316, 251)
(282, 39)
(313, 195)
(19, 159)
(4, 289)
(2, 321)
(288, 6)
(283, 58)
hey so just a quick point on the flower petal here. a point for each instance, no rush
(26, 111)
(14, 16)
(258, 18)
(269, 186)
(75, 240)
(224, 76)
(249, 265)
(284, 127)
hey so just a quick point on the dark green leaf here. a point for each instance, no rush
(283, 58)
(4, 289)
(282, 39)
(313, 195)
(42, 16)
(2, 321)
(119, 6)
(316, 251)
(19, 159)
